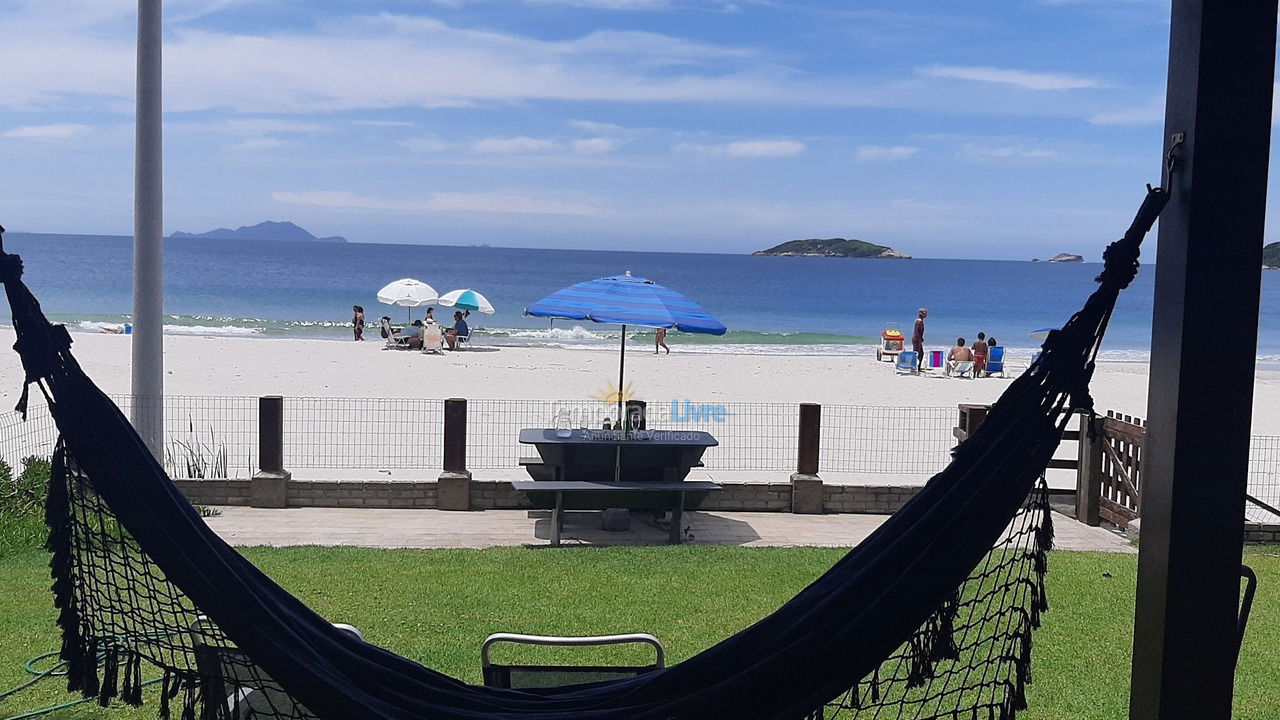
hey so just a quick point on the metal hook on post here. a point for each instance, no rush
(1171, 159)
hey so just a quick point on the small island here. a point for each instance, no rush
(275, 231)
(1063, 258)
(1271, 256)
(832, 247)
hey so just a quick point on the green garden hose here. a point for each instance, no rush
(57, 670)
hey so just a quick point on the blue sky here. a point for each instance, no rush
(990, 130)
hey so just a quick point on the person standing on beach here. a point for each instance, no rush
(660, 339)
(917, 337)
(357, 321)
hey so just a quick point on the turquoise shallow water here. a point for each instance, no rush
(770, 304)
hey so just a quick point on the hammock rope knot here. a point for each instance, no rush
(10, 267)
(1120, 260)
(1120, 264)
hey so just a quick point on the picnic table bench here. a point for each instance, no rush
(643, 455)
(561, 495)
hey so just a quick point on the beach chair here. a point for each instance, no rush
(394, 341)
(906, 363)
(961, 368)
(548, 676)
(935, 360)
(464, 341)
(433, 339)
(995, 361)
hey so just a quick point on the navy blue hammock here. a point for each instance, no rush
(929, 617)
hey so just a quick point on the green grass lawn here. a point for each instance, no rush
(437, 606)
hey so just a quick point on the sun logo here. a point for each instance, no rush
(612, 395)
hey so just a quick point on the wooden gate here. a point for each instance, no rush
(1110, 484)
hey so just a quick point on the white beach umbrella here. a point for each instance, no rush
(467, 300)
(408, 292)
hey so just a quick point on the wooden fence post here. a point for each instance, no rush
(1089, 471)
(806, 486)
(269, 487)
(453, 488)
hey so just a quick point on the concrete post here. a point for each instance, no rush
(806, 486)
(269, 487)
(453, 488)
(148, 248)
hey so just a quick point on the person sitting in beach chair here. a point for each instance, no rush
(392, 335)
(995, 361)
(412, 335)
(959, 354)
(460, 333)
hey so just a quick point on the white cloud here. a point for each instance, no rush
(263, 126)
(511, 145)
(607, 4)
(869, 153)
(1151, 113)
(425, 144)
(1017, 78)
(259, 143)
(386, 61)
(1105, 2)
(974, 151)
(46, 133)
(744, 149)
(597, 146)
(446, 202)
(765, 148)
(596, 127)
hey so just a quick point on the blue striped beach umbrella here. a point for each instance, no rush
(627, 300)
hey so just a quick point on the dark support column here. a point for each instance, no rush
(1089, 471)
(636, 415)
(806, 486)
(1221, 68)
(453, 489)
(269, 487)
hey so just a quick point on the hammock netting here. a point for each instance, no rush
(931, 616)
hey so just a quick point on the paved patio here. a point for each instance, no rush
(439, 529)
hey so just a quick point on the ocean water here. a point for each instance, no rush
(770, 304)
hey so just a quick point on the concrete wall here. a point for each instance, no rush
(499, 495)
(1259, 533)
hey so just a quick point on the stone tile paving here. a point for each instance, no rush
(383, 528)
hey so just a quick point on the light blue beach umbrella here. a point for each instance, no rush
(467, 300)
(627, 300)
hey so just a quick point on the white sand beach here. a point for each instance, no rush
(325, 368)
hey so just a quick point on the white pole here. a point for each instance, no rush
(148, 248)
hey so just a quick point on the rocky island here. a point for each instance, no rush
(1271, 256)
(1063, 258)
(277, 231)
(831, 247)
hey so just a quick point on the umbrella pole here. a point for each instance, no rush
(622, 364)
